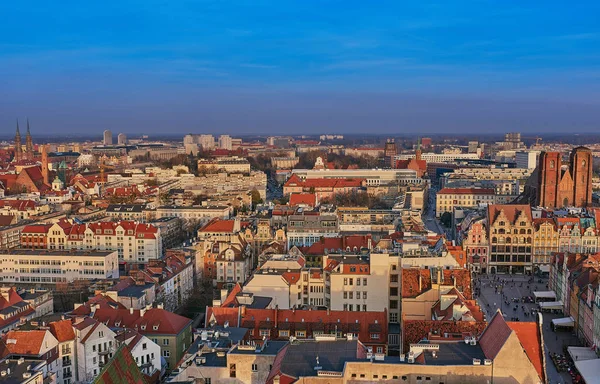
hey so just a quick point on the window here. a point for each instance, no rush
(379, 349)
(165, 341)
(375, 336)
(100, 334)
(144, 346)
(254, 367)
(357, 281)
(94, 360)
(207, 380)
(365, 281)
(232, 370)
(166, 353)
(351, 281)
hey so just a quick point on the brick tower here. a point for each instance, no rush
(44, 150)
(581, 171)
(18, 147)
(28, 144)
(389, 153)
(549, 175)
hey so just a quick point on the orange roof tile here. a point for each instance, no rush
(529, 336)
(62, 330)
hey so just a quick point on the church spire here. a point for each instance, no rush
(18, 148)
(28, 144)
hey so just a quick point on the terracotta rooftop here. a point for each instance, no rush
(62, 330)
(511, 211)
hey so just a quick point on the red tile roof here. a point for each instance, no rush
(529, 336)
(164, 321)
(495, 335)
(26, 342)
(230, 299)
(36, 228)
(62, 330)
(219, 225)
(309, 199)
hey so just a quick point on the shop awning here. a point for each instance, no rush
(563, 322)
(589, 370)
(558, 305)
(544, 295)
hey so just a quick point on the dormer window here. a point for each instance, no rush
(155, 327)
(143, 327)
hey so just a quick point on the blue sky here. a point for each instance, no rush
(300, 66)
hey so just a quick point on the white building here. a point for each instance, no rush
(95, 346)
(145, 352)
(225, 142)
(448, 198)
(122, 139)
(373, 177)
(42, 266)
(203, 213)
(107, 137)
(439, 157)
(527, 159)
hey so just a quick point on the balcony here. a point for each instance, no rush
(105, 352)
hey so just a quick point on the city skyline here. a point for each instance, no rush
(251, 67)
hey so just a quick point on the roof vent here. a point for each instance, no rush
(487, 362)
(476, 362)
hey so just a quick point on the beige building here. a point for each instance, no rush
(284, 162)
(201, 213)
(448, 198)
(232, 164)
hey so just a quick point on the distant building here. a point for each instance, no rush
(527, 159)
(107, 138)
(225, 142)
(122, 139)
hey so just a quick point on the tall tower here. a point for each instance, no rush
(581, 171)
(28, 144)
(389, 153)
(18, 148)
(549, 175)
(418, 151)
(44, 151)
(107, 137)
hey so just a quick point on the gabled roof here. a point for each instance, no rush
(219, 225)
(511, 211)
(309, 199)
(25, 342)
(155, 320)
(121, 369)
(495, 335)
(531, 341)
(62, 330)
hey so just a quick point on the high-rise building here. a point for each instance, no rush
(560, 186)
(526, 159)
(473, 145)
(225, 142)
(122, 139)
(107, 140)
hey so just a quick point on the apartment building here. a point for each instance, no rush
(372, 177)
(476, 246)
(231, 164)
(222, 183)
(202, 214)
(305, 230)
(448, 198)
(172, 332)
(135, 242)
(431, 157)
(323, 188)
(57, 266)
(545, 243)
(510, 234)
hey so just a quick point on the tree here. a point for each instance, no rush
(256, 199)
(446, 219)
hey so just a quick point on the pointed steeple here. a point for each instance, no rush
(28, 144)
(18, 148)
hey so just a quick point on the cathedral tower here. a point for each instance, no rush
(28, 144)
(18, 148)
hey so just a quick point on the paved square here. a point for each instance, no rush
(494, 293)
